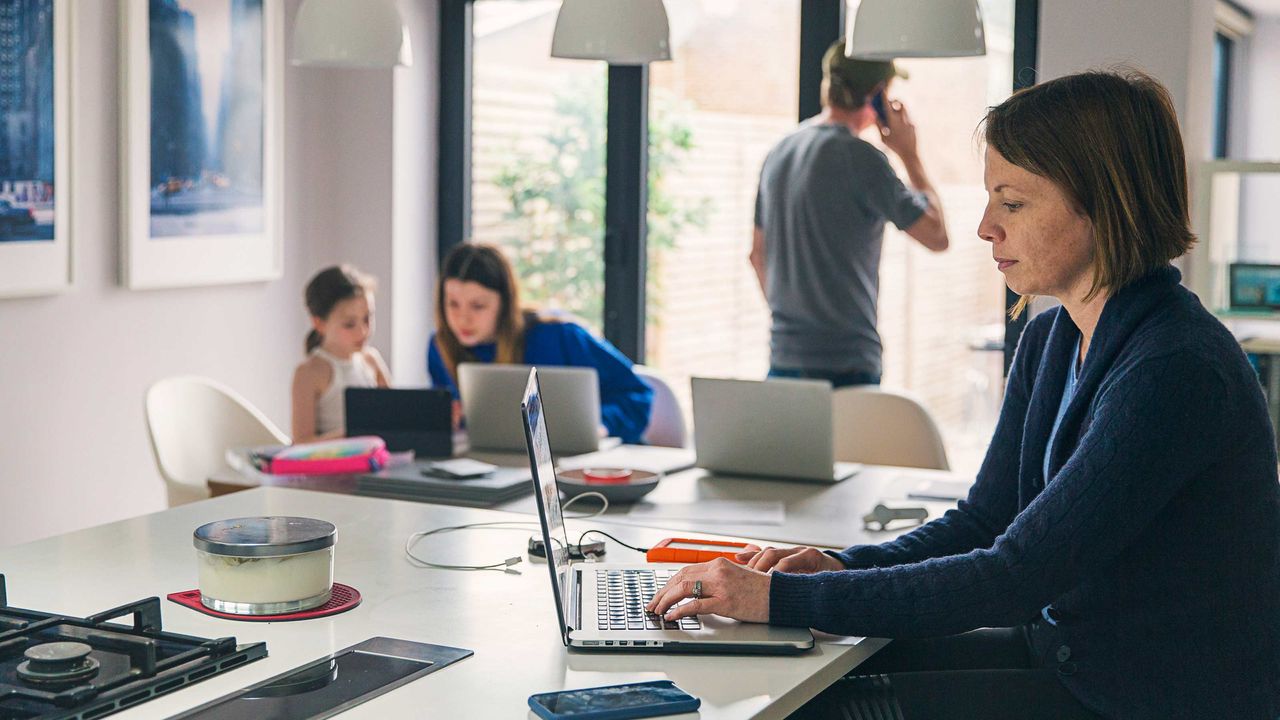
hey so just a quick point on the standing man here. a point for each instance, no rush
(824, 197)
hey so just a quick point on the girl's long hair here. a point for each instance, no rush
(487, 266)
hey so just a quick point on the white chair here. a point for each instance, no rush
(667, 426)
(885, 427)
(191, 421)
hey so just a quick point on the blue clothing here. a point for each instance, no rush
(1156, 543)
(625, 399)
(1068, 392)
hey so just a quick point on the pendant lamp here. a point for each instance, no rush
(351, 34)
(621, 32)
(889, 29)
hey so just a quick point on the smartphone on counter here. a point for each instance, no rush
(614, 702)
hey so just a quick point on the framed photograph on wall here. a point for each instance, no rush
(35, 147)
(201, 145)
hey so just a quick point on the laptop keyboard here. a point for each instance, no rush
(621, 596)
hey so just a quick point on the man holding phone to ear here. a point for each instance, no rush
(824, 197)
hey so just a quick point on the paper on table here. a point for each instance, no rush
(731, 512)
(636, 457)
(829, 639)
(941, 490)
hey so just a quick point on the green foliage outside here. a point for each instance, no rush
(557, 205)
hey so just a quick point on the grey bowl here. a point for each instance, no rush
(641, 483)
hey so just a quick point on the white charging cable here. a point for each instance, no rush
(507, 565)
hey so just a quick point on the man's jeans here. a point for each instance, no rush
(837, 378)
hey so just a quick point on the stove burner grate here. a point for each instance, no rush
(56, 667)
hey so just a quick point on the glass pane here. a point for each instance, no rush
(942, 314)
(1221, 93)
(1256, 207)
(538, 140)
(715, 110)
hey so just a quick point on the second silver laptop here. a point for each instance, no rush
(774, 428)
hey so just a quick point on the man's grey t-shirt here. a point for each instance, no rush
(823, 200)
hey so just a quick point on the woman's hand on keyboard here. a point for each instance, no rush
(727, 589)
(800, 560)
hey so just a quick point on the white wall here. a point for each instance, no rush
(375, 192)
(1170, 39)
(1257, 137)
(1261, 92)
(74, 367)
(416, 128)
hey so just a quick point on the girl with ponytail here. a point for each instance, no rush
(340, 302)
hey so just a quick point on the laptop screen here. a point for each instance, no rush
(416, 419)
(411, 409)
(572, 399)
(547, 493)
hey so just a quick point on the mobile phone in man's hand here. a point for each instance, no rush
(877, 104)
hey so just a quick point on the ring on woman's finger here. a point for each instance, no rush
(697, 589)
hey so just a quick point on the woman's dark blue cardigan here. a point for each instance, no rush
(1155, 538)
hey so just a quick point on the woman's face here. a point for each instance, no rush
(471, 310)
(1041, 244)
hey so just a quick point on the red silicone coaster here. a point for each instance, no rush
(342, 599)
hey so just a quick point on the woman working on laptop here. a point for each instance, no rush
(1121, 546)
(479, 319)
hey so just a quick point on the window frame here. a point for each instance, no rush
(1026, 40)
(1233, 25)
(822, 22)
(1223, 55)
(453, 180)
(626, 202)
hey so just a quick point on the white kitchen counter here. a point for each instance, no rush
(508, 620)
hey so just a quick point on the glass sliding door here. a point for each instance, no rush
(538, 153)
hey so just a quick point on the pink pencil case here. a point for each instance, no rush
(330, 457)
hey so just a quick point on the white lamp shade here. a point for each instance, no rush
(889, 29)
(622, 32)
(350, 33)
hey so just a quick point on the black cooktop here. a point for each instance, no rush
(54, 666)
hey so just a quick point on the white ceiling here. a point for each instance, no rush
(1262, 8)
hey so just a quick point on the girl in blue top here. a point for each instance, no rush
(479, 319)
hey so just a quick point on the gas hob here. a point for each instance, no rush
(58, 667)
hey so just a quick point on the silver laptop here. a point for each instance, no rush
(601, 605)
(771, 428)
(491, 393)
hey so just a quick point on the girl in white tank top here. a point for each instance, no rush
(355, 371)
(340, 300)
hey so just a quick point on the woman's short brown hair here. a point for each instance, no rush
(1110, 141)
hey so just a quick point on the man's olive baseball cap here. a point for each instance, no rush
(852, 80)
